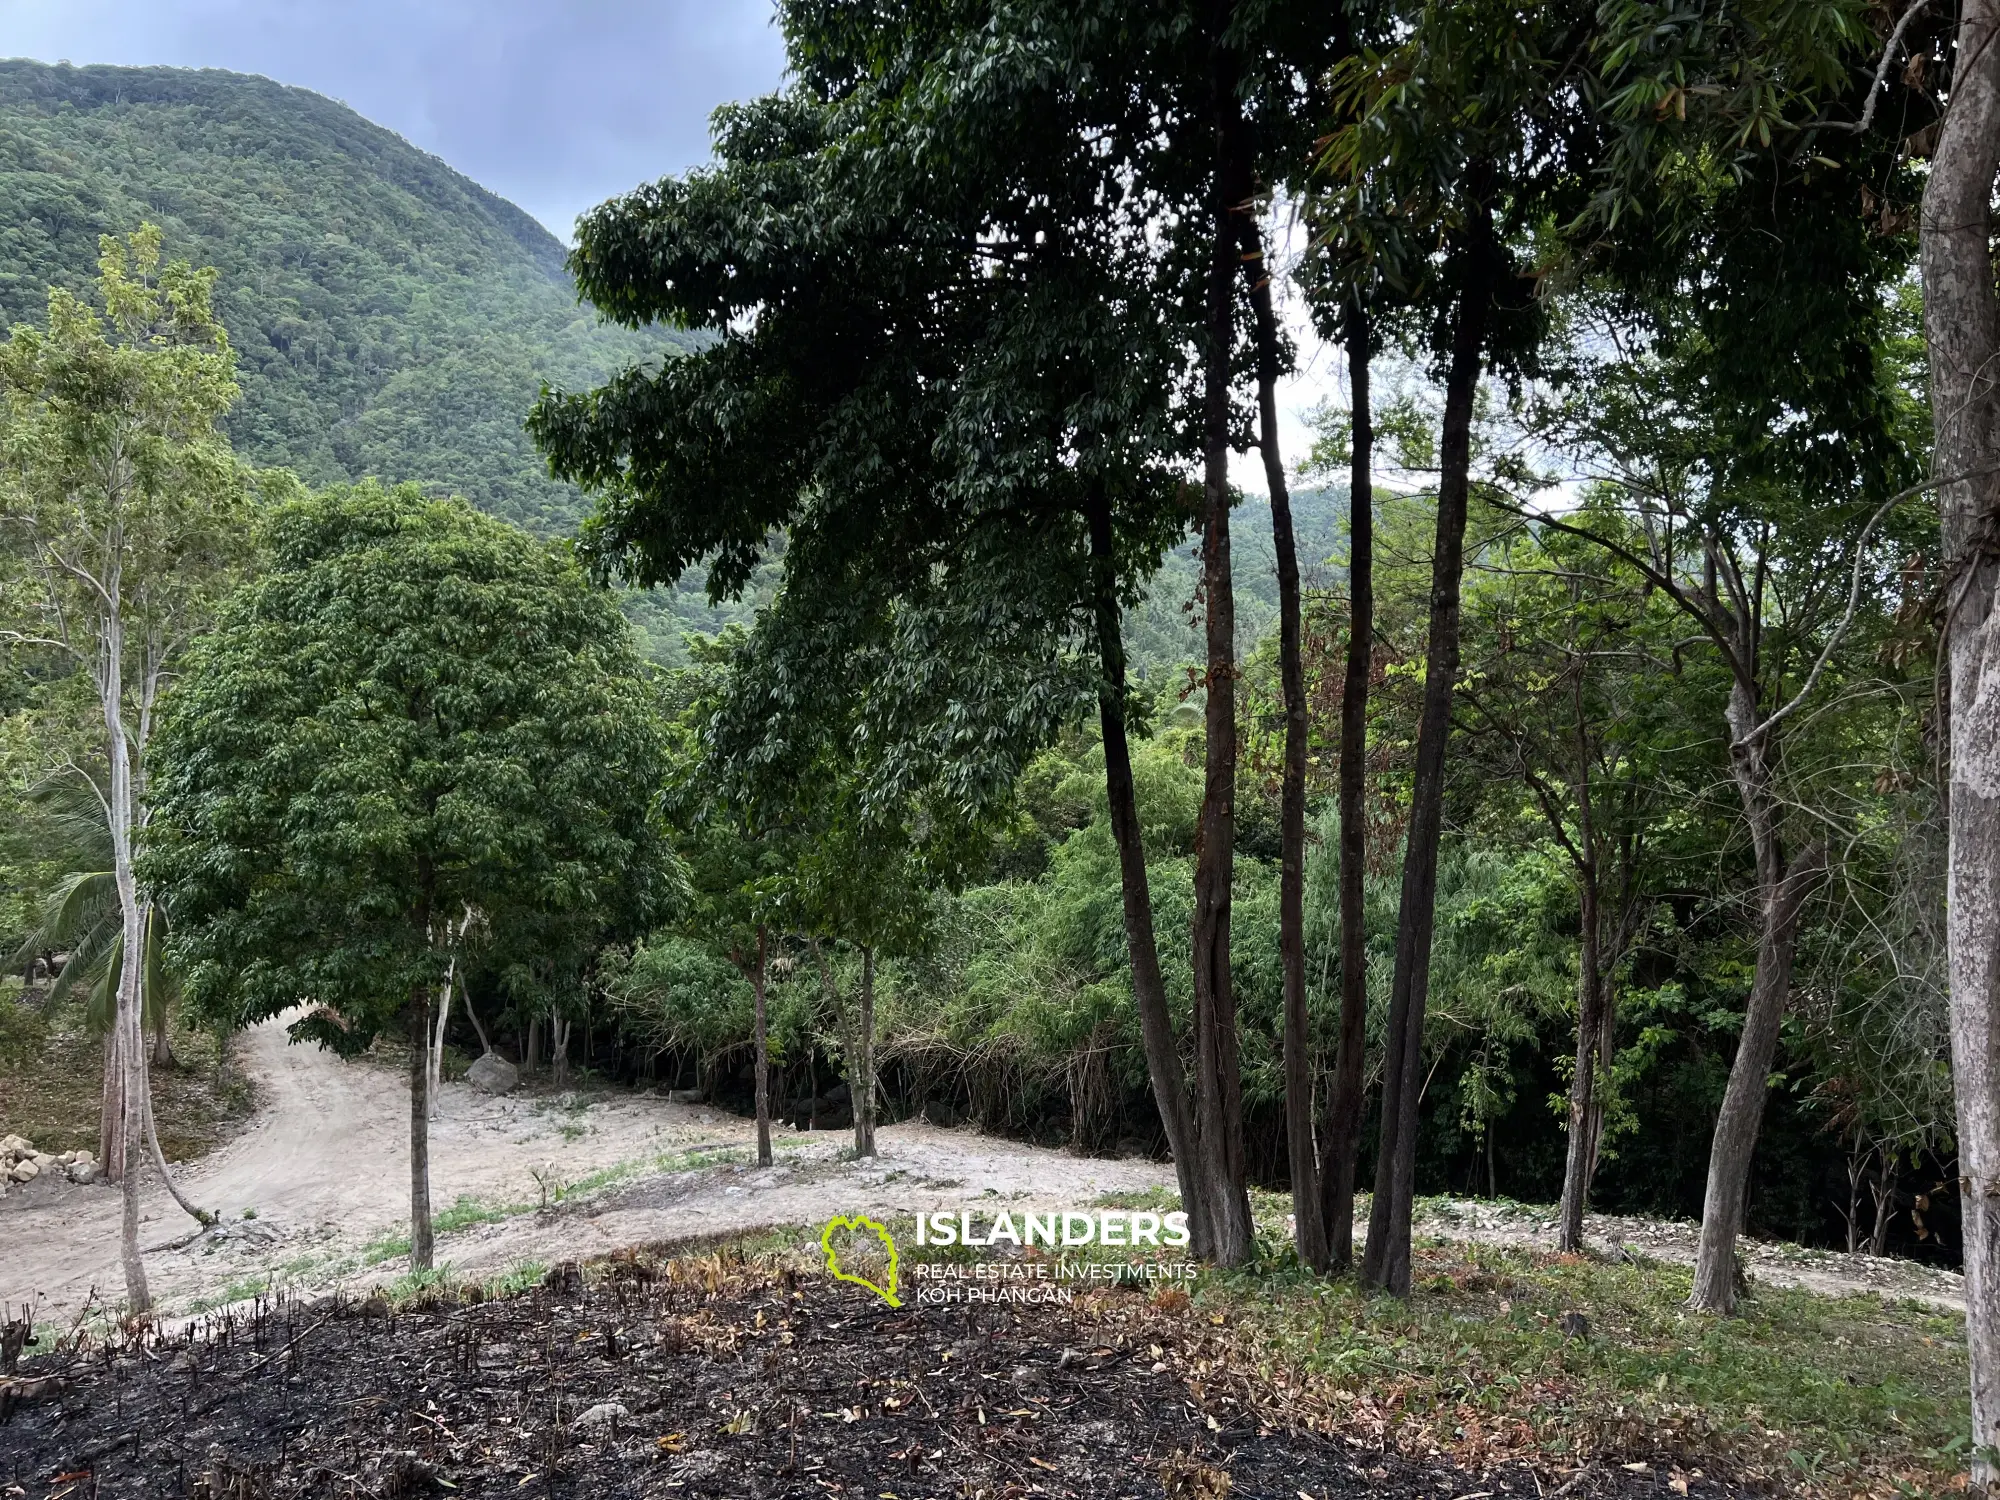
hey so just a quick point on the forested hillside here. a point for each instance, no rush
(1163, 632)
(390, 316)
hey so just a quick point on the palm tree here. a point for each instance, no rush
(81, 921)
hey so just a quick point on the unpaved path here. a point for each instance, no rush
(325, 1168)
(1830, 1273)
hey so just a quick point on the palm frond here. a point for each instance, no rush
(81, 903)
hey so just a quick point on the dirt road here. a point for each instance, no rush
(324, 1172)
(316, 1191)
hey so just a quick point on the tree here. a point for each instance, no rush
(1962, 321)
(415, 713)
(122, 510)
(956, 356)
(1735, 531)
(1571, 695)
(1468, 125)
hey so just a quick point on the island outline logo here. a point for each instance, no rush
(860, 1223)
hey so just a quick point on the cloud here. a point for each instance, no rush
(556, 107)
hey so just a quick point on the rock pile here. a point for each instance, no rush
(20, 1163)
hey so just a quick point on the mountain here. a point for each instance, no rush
(1164, 633)
(390, 316)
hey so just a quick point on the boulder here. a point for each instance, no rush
(15, 1145)
(26, 1171)
(85, 1172)
(493, 1074)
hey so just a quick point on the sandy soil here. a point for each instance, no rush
(325, 1169)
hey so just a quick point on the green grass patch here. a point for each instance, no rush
(240, 1290)
(1832, 1395)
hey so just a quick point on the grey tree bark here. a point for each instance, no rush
(1218, 1094)
(1309, 1227)
(1586, 1112)
(1149, 994)
(763, 1064)
(862, 1083)
(1782, 888)
(1386, 1257)
(1343, 1116)
(1962, 327)
(422, 1240)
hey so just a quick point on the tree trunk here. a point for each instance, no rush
(559, 1029)
(1386, 1260)
(421, 1239)
(763, 1059)
(1781, 896)
(152, 989)
(111, 1106)
(1343, 1116)
(1309, 1227)
(127, 1021)
(1584, 1108)
(1218, 1080)
(531, 1050)
(863, 1084)
(485, 1043)
(434, 1048)
(1962, 327)
(200, 1215)
(1884, 1190)
(1149, 993)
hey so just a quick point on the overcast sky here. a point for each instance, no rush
(553, 104)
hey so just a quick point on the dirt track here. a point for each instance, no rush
(325, 1168)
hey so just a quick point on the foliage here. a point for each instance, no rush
(389, 316)
(415, 713)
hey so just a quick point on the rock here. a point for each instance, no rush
(46, 1162)
(493, 1074)
(66, 1158)
(83, 1173)
(26, 1171)
(15, 1145)
(79, 1157)
(603, 1417)
(686, 1096)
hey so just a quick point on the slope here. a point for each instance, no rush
(391, 316)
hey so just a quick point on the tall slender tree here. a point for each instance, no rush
(1962, 323)
(121, 512)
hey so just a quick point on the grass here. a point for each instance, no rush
(1833, 1396)
(468, 1211)
(240, 1290)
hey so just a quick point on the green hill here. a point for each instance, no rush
(391, 316)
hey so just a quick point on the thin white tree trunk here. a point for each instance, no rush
(127, 1020)
(434, 1063)
(1962, 328)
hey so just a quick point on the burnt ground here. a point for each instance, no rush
(706, 1376)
